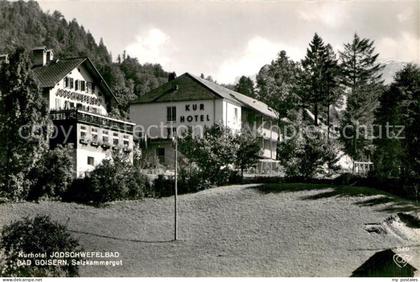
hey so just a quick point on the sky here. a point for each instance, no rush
(227, 39)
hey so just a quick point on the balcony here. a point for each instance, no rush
(93, 119)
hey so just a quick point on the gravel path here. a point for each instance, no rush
(229, 231)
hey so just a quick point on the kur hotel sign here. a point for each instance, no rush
(198, 113)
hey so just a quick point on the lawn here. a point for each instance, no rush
(269, 230)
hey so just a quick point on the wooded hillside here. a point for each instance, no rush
(25, 24)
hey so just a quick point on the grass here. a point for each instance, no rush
(244, 230)
(395, 203)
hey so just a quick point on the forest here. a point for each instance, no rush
(24, 24)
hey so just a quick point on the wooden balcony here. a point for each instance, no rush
(93, 119)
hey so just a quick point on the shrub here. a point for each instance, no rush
(212, 154)
(52, 174)
(308, 154)
(112, 180)
(190, 180)
(37, 235)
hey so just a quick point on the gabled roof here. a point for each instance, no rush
(243, 99)
(49, 75)
(169, 92)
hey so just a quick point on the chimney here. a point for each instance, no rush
(171, 76)
(39, 56)
(50, 55)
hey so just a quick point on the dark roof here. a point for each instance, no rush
(384, 264)
(168, 92)
(183, 88)
(243, 99)
(49, 75)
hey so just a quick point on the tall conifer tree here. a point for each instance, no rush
(23, 121)
(361, 75)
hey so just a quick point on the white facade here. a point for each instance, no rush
(63, 96)
(159, 115)
(79, 100)
(96, 143)
(152, 118)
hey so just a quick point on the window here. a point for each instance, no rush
(171, 113)
(76, 85)
(236, 114)
(71, 83)
(115, 141)
(160, 152)
(90, 161)
(82, 85)
(83, 133)
(66, 82)
(71, 105)
(94, 133)
(105, 139)
(57, 104)
(126, 143)
(93, 87)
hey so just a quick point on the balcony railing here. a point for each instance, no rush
(93, 119)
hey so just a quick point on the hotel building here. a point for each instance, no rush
(79, 101)
(189, 101)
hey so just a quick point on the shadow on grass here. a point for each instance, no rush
(387, 201)
(121, 239)
(409, 220)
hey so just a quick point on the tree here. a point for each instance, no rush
(276, 84)
(51, 174)
(214, 153)
(361, 75)
(308, 154)
(245, 86)
(23, 124)
(332, 86)
(398, 156)
(247, 150)
(317, 67)
(37, 235)
(23, 23)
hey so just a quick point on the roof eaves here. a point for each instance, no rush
(237, 97)
(103, 80)
(199, 80)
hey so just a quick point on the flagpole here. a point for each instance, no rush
(176, 191)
